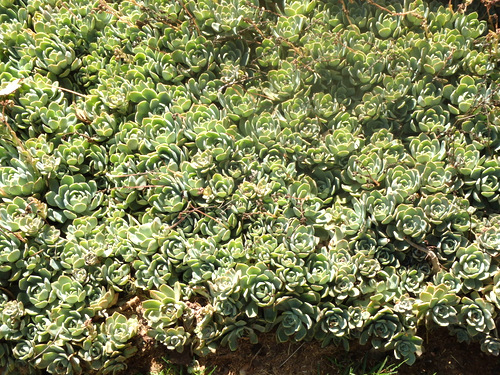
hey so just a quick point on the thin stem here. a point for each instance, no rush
(430, 254)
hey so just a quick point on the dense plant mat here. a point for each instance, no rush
(197, 172)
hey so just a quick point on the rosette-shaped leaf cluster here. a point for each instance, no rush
(20, 178)
(437, 303)
(119, 330)
(327, 170)
(53, 56)
(296, 320)
(409, 221)
(73, 196)
(165, 309)
(381, 328)
(472, 266)
(333, 325)
(260, 287)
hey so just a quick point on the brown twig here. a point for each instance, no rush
(413, 13)
(17, 235)
(192, 18)
(430, 254)
(8, 292)
(67, 90)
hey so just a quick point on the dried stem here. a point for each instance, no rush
(430, 254)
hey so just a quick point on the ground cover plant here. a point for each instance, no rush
(198, 172)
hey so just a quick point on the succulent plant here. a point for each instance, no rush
(320, 272)
(53, 56)
(172, 338)
(472, 265)
(20, 179)
(260, 287)
(166, 307)
(383, 327)
(119, 330)
(73, 196)
(69, 325)
(366, 170)
(476, 315)
(409, 221)
(231, 333)
(463, 96)
(437, 303)
(58, 359)
(333, 323)
(490, 344)
(295, 321)
(325, 169)
(381, 206)
(407, 347)
(403, 182)
(69, 291)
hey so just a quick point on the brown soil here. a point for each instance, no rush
(443, 355)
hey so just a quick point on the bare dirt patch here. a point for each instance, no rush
(443, 355)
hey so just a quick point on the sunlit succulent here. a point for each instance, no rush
(284, 83)
(464, 96)
(20, 178)
(70, 325)
(172, 338)
(409, 221)
(407, 347)
(412, 280)
(480, 131)
(301, 240)
(289, 27)
(381, 206)
(448, 244)
(353, 220)
(146, 236)
(260, 287)
(53, 56)
(433, 119)
(119, 330)
(472, 265)
(238, 102)
(58, 359)
(73, 196)
(333, 323)
(342, 142)
(323, 170)
(69, 291)
(425, 149)
(293, 277)
(437, 303)
(366, 170)
(38, 291)
(320, 272)
(295, 321)
(382, 328)
(11, 319)
(166, 307)
(487, 181)
(437, 209)
(476, 315)
(382, 292)
(403, 182)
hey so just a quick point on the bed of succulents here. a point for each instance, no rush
(204, 171)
